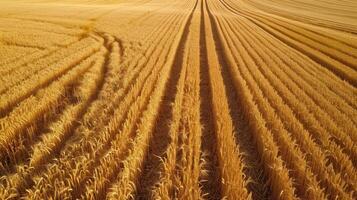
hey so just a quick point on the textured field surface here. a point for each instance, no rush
(178, 99)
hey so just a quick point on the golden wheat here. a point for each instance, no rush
(193, 99)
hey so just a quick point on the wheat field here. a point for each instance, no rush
(178, 99)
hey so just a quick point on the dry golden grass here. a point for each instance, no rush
(191, 99)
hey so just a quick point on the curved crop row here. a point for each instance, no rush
(25, 72)
(110, 132)
(59, 130)
(20, 92)
(14, 130)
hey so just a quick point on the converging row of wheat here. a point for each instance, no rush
(178, 99)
